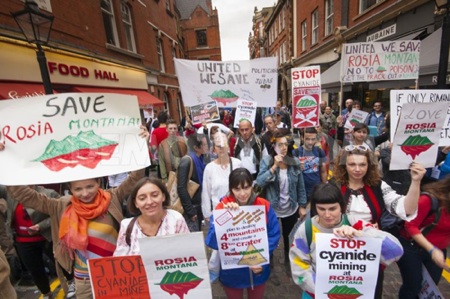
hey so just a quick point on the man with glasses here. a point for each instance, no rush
(376, 118)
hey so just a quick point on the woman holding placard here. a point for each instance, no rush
(149, 199)
(329, 206)
(253, 278)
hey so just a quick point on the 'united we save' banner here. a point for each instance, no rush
(306, 95)
(379, 61)
(225, 82)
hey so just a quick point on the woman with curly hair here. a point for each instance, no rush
(281, 176)
(425, 239)
(367, 196)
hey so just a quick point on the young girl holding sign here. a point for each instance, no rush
(329, 205)
(253, 279)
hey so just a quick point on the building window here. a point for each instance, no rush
(328, 17)
(109, 23)
(168, 5)
(261, 30)
(159, 50)
(283, 18)
(128, 27)
(314, 27)
(281, 55)
(304, 35)
(201, 38)
(286, 57)
(279, 21)
(366, 4)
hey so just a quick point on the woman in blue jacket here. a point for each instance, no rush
(253, 278)
(281, 177)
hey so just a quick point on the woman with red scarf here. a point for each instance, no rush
(84, 224)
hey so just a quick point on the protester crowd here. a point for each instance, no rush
(335, 180)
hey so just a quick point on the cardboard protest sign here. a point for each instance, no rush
(379, 61)
(346, 266)
(400, 97)
(227, 81)
(242, 237)
(417, 135)
(176, 270)
(245, 110)
(429, 289)
(70, 136)
(205, 112)
(118, 277)
(306, 96)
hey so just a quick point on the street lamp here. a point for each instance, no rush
(36, 26)
(445, 42)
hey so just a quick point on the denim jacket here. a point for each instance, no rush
(271, 183)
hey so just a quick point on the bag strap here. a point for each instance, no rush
(437, 214)
(129, 229)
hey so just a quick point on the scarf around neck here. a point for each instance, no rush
(74, 221)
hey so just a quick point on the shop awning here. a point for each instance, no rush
(20, 90)
(145, 99)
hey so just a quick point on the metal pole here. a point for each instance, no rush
(42, 60)
(443, 56)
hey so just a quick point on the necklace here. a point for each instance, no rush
(149, 230)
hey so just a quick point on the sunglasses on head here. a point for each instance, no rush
(352, 147)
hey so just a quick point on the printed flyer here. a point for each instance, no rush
(175, 271)
(242, 237)
(400, 97)
(346, 266)
(245, 110)
(205, 112)
(355, 117)
(417, 135)
(306, 96)
(70, 136)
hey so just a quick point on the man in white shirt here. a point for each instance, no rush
(248, 147)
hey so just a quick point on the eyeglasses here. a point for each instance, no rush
(352, 147)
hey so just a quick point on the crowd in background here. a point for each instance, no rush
(327, 177)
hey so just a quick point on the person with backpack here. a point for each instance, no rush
(149, 200)
(368, 197)
(426, 238)
(330, 206)
(312, 160)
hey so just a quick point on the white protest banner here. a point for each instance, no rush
(176, 264)
(417, 135)
(117, 277)
(205, 112)
(70, 136)
(355, 117)
(245, 110)
(242, 237)
(400, 97)
(306, 96)
(429, 289)
(379, 61)
(202, 81)
(346, 266)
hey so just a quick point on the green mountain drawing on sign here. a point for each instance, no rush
(417, 140)
(223, 94)
(179, 283)
(73, 143)
(343, 292)
(306, 103)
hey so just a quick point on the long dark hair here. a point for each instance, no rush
(147, 180)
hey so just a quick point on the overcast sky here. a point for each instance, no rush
(235, 19)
